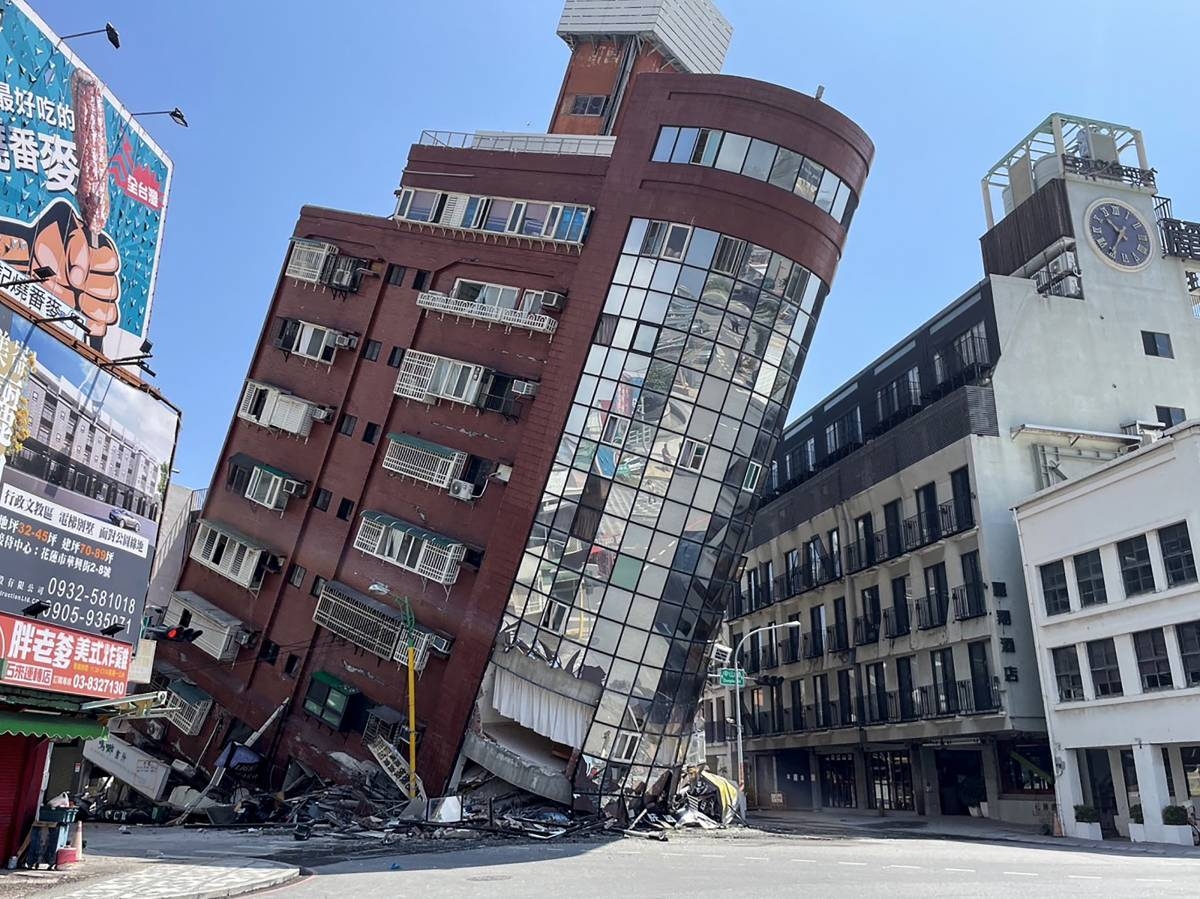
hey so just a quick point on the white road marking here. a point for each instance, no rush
(854, 864)
(754, 858)
(1021, 873)
(1084, 877)
(811, 861)
(961, 870)
(1152, 880)
(712, 856)
(906, 867)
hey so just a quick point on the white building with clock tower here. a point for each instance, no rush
(887, 530)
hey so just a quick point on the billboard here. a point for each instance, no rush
(84, 462)
(45, 657)
(140, 770)
(83, 189)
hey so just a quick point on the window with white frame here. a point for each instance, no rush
(420, 205)
(500, 215)
(728, 256)
(268, 406)
(422, 460)
(498, 295)
(691, 454)
(625, 746)
(223, 552)
(308, 260)
(666, 239)
(425, 377)
(753, 472)
(554, 616)
(615, 430)
(588, 104)
(409, 547)
(305, 339)
(266, 488)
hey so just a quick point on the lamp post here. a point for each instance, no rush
(108, 31)
(175, 114)
(40, 274)
(736, 690)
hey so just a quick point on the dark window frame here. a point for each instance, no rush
(345, 509)
(321, 499)
(1156, 343)
(1089, 578)
(1179, 562)
(347, 424)
(296, 575)
(1105, 668)
(1187, 636)
(1067, 674)
(1137, 572)
(1056, 595)
(371, 350)
(1154, 662)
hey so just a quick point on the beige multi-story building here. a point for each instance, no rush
(912, 681)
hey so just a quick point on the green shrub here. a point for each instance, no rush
(1175, 814)
(1135, 814)
(1086, 814)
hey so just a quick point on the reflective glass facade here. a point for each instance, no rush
(628, 566)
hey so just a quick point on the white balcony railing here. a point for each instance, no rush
(519, 142)
(510, 318)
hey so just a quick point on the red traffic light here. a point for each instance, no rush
(172, 634)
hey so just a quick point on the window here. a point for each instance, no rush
(370, 432)
(308, 260)
(585, 104)
(328, 699)
(1169, 416)
(346, 424)
(1066, 672)
(296, 575)
(750, 481)
(498, 295)
(371, 350)
(691, 455)
(615, 429)
(732, 154)
(1178, 560)
(1025, 767)
(666, 142)
(1106, 672)
(1156, 344)
(426, 378)
(409, 547)
(421, 279)
(240, 472)
(423, 460)
(318, 586)
(268, 652)
(1188, 636)
(1153, 664)
(554, 616)
(321, 499)
(308, 340)
(268, 487)
(1054, 588)
(759, 159)
(395, 357)
(395, 274)
(625, 747)
(1089, 575)
(420, 205)
(223, 552)
(845, 432)
(1136, 571)
(728, 256)
(345, 509)
(290, 666)
(808, 455)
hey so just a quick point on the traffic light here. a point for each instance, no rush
(174, 634)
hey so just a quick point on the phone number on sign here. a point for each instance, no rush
(93, 684)
(94, 596)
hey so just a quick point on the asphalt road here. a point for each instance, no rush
(745, 865)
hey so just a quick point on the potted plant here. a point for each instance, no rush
(974, 794)
(1176, 828)
(1137, 829)
(1087, 822)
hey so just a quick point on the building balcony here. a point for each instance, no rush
(813, 646)
(836, 638)
(1103, 170)
(866, 630)
(1180, 238)
(969, 601)
(517, 142)
(896, 622)
(932, 610)
(509, 318)
(378, 627)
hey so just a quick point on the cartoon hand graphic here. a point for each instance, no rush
(85, 266)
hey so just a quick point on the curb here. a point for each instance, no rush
(269, 874)
(284, 874)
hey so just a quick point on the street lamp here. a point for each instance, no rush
(111, 33)
(40, 274)
(381, 589)
(736, 690)
(176, 115)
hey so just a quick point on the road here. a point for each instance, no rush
(750, 864)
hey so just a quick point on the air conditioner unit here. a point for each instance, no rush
(245, 637)
(721, 654)
(1063, 264)
(344, 277)
(441, 644)
(525, 388)
(463, 490)
(155, 729)
(346, 341)
(553, 302)
(295, 488)
(322, 413)
(1069, 287)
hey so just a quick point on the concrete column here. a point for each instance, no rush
(862, 782)
(1121, 790)
(1068, 790)
(929, 782)
(918, 778)
(1072, 584)
(1131, 680)
(1178, 777)
(1175, 657)
(1085, 673)
(1152, 784)
(1156, 562)
(818, 796)
(1114, 587)
(991, 777)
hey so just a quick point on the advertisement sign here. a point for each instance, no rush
(83, 189)
(84, 464)
(127, 763)
(44, 657)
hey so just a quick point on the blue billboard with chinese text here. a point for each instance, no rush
(83, 190)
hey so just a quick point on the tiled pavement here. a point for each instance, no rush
(183, 879)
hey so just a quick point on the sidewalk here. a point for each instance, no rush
(173, 864)
(951, 827)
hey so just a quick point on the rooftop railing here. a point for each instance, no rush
(517, 142)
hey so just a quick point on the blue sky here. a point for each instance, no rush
(304, 102)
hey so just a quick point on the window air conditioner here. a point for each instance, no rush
(553, 302)
(441, 644)
(344, 277)
(295, 488)
(245, 638)
(721, 654)
(1069, 287)
(346, 341)
(462, 490)
(525, 388)
(322, 413)
(1062, 264)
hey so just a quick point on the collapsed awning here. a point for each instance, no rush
(56, 727)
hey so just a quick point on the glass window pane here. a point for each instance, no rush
(759, 159)
(809, 179)
(707, 143)
(785, 169)
(666, 141)
(684, 145)
(733, 152)
(827, 190)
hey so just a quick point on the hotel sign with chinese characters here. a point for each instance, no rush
(45, 657)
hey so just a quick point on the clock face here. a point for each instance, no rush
(1118, 234)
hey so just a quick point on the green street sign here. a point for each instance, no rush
(733, 677)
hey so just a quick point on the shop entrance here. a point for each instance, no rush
(960, 779)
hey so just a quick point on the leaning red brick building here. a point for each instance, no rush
(521, 425)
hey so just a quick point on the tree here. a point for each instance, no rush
(164, 477)
(20, 429)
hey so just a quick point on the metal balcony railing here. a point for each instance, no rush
(813, 646)
(969, 601)
(866, 630)
(516, 142)
(931, 610)
(1087, 167)
(836, 638)
(509, 318)
(896, 622)
(861, 554)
